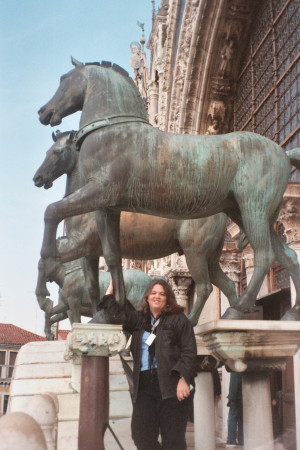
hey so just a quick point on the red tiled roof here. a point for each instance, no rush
(62, 334)
(12, 335)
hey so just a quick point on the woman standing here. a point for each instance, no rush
(164, 352)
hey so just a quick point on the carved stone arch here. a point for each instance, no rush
(203, 61)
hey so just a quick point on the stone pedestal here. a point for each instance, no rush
(254, 348)
(204, 404)
(290, 218)
(93, 344)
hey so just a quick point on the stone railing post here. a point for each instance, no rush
(253, 347)
(204, 399)
(93, 344)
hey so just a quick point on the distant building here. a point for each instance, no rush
(11, 340)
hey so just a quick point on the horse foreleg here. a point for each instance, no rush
(108, 223)
(41, 290)
(198, 268)
(83, 200)
(223, 282)
(91, 274)
(258, 233)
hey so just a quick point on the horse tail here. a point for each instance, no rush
(294, 157)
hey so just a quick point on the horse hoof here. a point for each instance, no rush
(193, 320)
(104, 317)
(233, 314)
(292, 314)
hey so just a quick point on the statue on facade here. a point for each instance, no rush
(139, 64)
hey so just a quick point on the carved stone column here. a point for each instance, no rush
(230, 263)
(204, 405)
(153, 103)
(92, 344)
(253, 347)
(181, 283)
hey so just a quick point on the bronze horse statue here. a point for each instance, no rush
(127, 165)
(142, 236)
(74, 300)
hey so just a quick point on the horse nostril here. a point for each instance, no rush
(41, 110)
(38, 180)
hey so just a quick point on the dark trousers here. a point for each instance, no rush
(153, 415)
(235, 423)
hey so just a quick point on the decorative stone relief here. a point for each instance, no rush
(181, 283)
(248, 257)
(94, 340)
(216, 115)
(207, 363)
(231, 265)
(182, 61)
(290, 213)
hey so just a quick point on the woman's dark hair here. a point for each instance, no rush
(171, 305)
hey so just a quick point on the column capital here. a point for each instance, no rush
(91, 339)
(251, 345)
(181, 283)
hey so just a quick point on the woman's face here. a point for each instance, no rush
(157, 299)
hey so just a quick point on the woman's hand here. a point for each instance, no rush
(183, 389)
(110, 289)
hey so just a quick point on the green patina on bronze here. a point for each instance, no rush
(135, 167)
(142, 236)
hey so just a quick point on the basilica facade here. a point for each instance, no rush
(216, 67)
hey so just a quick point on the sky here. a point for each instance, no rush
(37, 40)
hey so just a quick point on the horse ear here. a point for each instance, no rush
(71, 137)
(75, 62)
(54, 136)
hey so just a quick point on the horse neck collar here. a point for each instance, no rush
(105, 122)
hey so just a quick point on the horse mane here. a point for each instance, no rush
(114, 67)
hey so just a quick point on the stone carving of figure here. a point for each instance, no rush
(214, 128)
(135, 58)
(227, 58)
(139, 65)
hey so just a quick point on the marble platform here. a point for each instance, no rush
(41, 368)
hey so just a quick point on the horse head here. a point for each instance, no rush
(100, 90)
(67, 99)
(60, 159)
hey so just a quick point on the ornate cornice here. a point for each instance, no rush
(231, 264)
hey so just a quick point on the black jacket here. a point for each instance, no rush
(175, 347)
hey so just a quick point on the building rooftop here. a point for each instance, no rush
(13, 335)
(63, 334)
